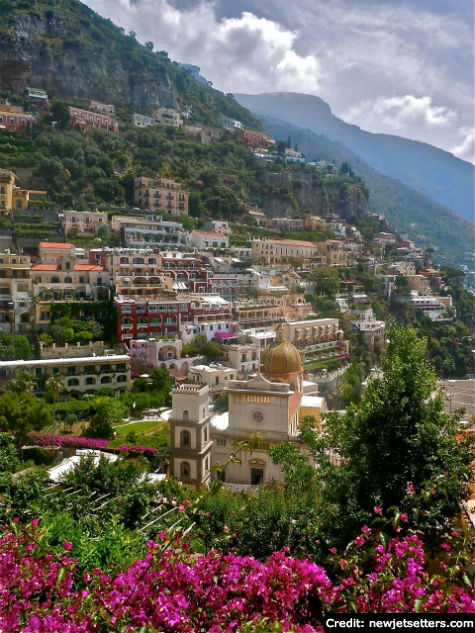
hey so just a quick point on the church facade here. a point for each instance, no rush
(267, 407)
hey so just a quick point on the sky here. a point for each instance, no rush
(400, 67)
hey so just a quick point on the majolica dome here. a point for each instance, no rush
(280, 358)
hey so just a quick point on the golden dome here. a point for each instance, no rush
(280, 358)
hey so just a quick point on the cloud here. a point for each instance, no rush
(387, 66)
(401, 112)
(242, 53)
(466, 148)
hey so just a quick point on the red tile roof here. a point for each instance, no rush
(88, 267)
(45, 267)
(294, 402)
(64, 245)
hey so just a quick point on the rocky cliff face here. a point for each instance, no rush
(48, 53)
(65, 48)
(289, 194)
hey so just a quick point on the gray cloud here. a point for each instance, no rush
(399, 68)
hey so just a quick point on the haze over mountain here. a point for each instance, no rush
(433, 172)
(408, 211)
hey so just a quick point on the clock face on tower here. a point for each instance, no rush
(257, 416)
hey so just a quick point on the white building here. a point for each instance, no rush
(203, 240)
(216, 376)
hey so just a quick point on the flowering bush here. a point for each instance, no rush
(124, 448)
(45, 439)
(173, 589)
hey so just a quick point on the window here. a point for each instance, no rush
(105, 380)
(185, 439)
(73, 382)
(186, 415)
(184, 470)
(205, 434)
(221, 441)
(122, 378)
(90, 380)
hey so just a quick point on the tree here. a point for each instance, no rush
(211, 349)
(326, 280)
(21, 413)
(22, 382)
(352, 389)
(14, 347)
(59, 112)
(396, 438)
(161, 381)
(221, 402)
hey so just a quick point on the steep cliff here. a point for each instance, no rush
(298, 193)
(65, 48)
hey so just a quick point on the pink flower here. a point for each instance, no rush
(333, 550)
(404, 518)
(35, 522)
(377, 510)
(366, 530)
(68, 545)
(445, 546)
(181, 508)
(359, 540)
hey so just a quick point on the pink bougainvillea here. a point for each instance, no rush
(174, 589)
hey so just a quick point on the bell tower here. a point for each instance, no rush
(189, 440)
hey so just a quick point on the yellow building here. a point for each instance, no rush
(11, 197)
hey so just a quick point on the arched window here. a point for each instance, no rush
(186, 415)
(139, 260)
(185, 439)
(124, 260)
(122, 378)
(105, 380)
(68, 280)
(151, 260)
(90, 381)
(184, 470)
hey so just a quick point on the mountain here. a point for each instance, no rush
(433, 172)
(73, 53)
(407, 210)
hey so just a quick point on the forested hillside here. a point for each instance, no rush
(65, 48)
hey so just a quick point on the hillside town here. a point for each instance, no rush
(218, 360)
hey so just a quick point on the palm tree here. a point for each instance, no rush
(23, 381)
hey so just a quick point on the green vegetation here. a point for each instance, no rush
(15, 347)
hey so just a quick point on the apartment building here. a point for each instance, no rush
(164, 354)
(85, 222)
(106, 108)
(14, 119)
(53, 252)
(86, 374)
(84, 119)
(65, 281)
(161, 194)
(142, 120)
(148, 231)
(168, 117)
(334, 253)
(16, 294)
(272, 251)
(143, 317)
(244, 358)
(229, 124)
(187, 272)
(203, 240)
(216, 376)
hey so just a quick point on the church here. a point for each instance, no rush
(270, 404)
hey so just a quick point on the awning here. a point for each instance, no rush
(224, 335)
